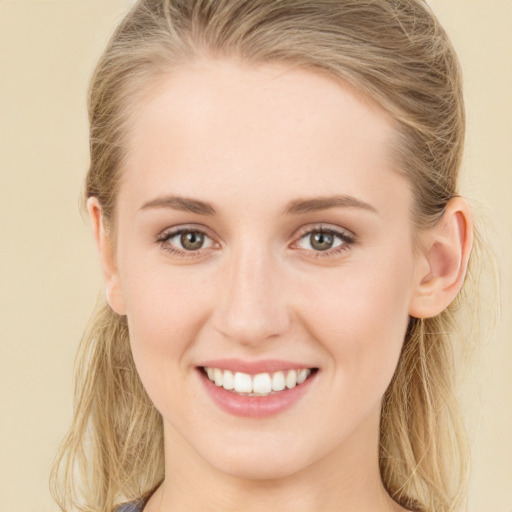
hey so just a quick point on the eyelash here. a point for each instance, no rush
(346, 239)
(163, 240)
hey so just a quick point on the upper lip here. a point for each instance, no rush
(254, 367)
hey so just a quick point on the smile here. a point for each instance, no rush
(256, 389)
(262, 384)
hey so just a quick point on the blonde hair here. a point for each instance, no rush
(394, 51)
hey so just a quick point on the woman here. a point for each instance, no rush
(273, 194)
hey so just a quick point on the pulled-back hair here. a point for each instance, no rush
(393, 51)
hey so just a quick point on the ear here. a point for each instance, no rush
(443, 260)
(107, 257)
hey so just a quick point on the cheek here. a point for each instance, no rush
(162, 301)
(361, 316)
(164, 317)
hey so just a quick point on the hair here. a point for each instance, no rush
(393, 51)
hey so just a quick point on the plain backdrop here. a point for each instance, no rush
(49, 278)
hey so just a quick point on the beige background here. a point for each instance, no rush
(48, 273)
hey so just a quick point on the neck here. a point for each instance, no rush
(347, 479)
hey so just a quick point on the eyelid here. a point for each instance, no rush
(165, 235)
(328, 228)
(348, 238)
(198, 228)
(344, 234)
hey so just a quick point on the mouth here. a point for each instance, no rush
(260, 384)
(256, 389)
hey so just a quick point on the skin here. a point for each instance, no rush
(250, 141)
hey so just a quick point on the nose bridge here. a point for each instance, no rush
(253, 305)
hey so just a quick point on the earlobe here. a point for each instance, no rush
(106, 253)
(445, 256)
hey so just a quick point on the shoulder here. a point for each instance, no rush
(138, 504)
(133, 506)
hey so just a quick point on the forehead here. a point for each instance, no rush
(255, 128)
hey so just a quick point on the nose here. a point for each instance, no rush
(252, 304)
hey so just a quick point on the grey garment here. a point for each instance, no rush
(134, 506)
(138, 504)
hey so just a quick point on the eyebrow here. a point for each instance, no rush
(184, 204)
(317, 204)
(295, 207)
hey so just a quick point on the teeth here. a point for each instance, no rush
(302, 375)
(228, 381)
(291, 379)
(278, 381)
(243, 383)
(218, 376)
(261, 384)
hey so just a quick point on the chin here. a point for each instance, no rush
(255, 461)
(263, 468)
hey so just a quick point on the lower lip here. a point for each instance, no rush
(255, 406)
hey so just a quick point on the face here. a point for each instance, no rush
(263, 236)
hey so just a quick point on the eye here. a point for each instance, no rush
(185, 240)
(325, 240)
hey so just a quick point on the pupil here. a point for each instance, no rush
(321, 241)
(192, 241)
